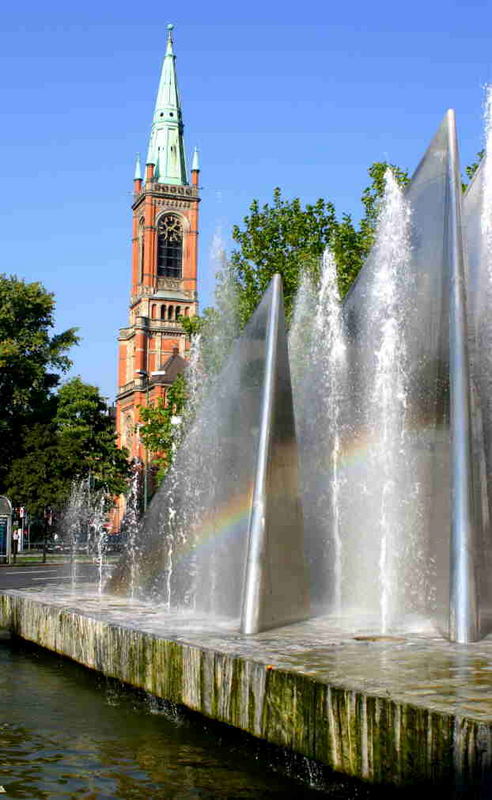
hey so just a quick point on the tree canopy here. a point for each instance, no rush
(78, 442)
(287, 238)
(37, 478)
(159, 431)
(473, 167)
(32, 360)
(282, 237)
(87, 437)
(50, 436)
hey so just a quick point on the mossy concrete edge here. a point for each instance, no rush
(370, 737)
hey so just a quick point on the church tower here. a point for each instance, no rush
(152, 349)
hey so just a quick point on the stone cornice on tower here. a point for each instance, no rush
(169, 192)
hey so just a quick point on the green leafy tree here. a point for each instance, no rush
(192, 325)
(287, 238)
(472, 168)
(348, 248)
(282, 237)
(160, 432)
(31, 361)
(87, 437)
(37, 479)
(77, 443)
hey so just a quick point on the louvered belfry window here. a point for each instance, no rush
(169, 247)
(141, 250)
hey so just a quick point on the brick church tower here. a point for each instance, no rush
(152, 349)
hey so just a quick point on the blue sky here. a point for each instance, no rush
(301, 96)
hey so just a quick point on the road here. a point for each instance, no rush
(23, 576)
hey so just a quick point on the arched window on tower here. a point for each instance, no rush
(169, 246)
(163, 312)
(170, 313)
(141, 250)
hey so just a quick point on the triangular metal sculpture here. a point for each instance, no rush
(275, 585)
(477, 230)
(466, 521)
(223, 537)
(443, 439)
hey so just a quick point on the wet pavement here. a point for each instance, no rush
(24, 576)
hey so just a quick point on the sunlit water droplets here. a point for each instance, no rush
(388, 403)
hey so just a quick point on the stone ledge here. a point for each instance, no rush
(302, 687)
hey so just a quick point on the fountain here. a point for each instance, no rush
(365, 523)
(394, 433)
(390, 437)
(82, 528)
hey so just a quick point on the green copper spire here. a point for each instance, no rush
(166, 146)
(138, 169)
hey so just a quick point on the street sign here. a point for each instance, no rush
(5, 529)
(4, 534)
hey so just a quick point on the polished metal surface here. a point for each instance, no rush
(275, 587)
(463, 601)
(476, 234)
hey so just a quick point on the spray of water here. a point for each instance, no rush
(131, 527)
(82, 526)
(301, 333)
(330, 343)
(71, 524)
(387, 404)
(482, 322)
(317, 353)
(98, 537)
(195, 377)
(486, 216)
(221, 326)
(191, 487)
